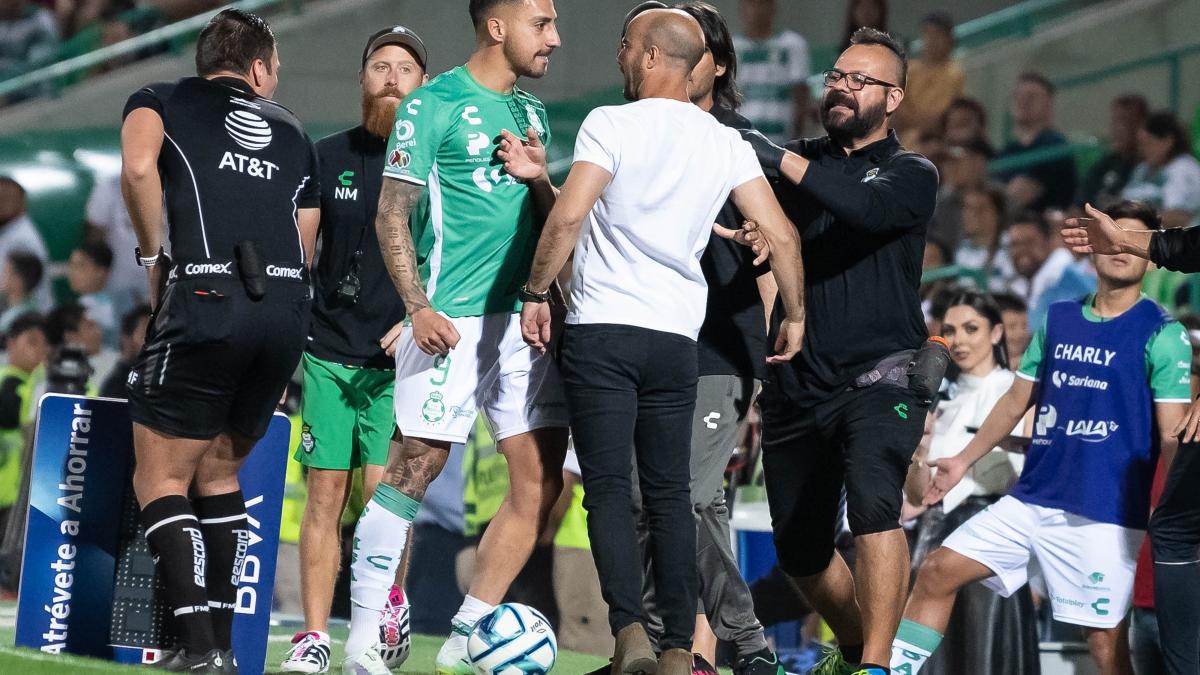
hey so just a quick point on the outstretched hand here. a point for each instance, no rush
(950, 472)
(1097, 233)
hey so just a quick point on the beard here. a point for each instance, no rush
(632, 84)
(860, 123)
(526, 67)
(379, 114)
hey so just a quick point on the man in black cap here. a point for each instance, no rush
(349, 375)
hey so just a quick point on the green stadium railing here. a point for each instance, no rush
(954, 272)
(1171, 58)
(55, 75)
(1018, 20)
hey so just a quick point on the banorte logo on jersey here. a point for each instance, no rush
(248, 130)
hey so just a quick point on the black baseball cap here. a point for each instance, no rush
(642, 7)
(397, 35)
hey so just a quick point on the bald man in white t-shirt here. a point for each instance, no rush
(637, 208)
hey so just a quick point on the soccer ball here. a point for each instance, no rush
(514, 639)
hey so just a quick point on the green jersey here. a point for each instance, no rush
(474, 228)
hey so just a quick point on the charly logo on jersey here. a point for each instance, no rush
(871, 175)
(477, 141)
(248, 129)
(345, 188)
(1091, 431)
(1061, 379)
(471, 115)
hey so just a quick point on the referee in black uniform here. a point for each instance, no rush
(239, 178)
(861, 203)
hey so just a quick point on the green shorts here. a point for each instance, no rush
(347, 415)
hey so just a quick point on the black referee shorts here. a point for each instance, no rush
(861, 438)
(215, 361)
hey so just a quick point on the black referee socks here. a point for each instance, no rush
(223, 521)
(174, 535)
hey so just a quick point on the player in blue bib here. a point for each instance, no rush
(1109, 376)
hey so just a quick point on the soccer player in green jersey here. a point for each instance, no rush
(458, 234)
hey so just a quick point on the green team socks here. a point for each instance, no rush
(913, 646)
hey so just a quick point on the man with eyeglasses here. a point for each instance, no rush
(841, 412)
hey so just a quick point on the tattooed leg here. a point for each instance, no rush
(413, 464)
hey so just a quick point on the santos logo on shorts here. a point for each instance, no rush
(1062, 379)
(248, 130)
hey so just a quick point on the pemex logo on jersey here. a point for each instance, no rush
(248, 129)
(1047, 419)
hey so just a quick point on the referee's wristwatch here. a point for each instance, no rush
(146, 261)
(527, 295)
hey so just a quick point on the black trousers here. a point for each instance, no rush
(634, 387)
(1175, 545)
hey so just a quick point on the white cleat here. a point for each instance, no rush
(309, 654)
(395, 633)
(452, 657)
(367, 662)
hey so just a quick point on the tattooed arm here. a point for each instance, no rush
(433, 333)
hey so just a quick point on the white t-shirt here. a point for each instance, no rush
(972, 398)
(637, 260)
(1175, 186)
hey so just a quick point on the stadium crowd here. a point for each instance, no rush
(993, 265)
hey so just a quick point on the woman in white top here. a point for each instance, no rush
(988, 635)
(1168, 177)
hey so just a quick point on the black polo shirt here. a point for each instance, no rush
(234, 167)
(862, 221)
(351, 173)
(733, 337)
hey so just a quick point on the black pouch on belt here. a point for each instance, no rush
(252, 269)
(892, 368)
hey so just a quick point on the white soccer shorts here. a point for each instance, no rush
(1088, 566)
(491, 371)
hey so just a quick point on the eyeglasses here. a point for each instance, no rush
(854, 81)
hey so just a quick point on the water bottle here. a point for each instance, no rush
(928, 366)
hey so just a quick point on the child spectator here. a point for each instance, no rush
(18, 282)
(27, 351)
(88, 270)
